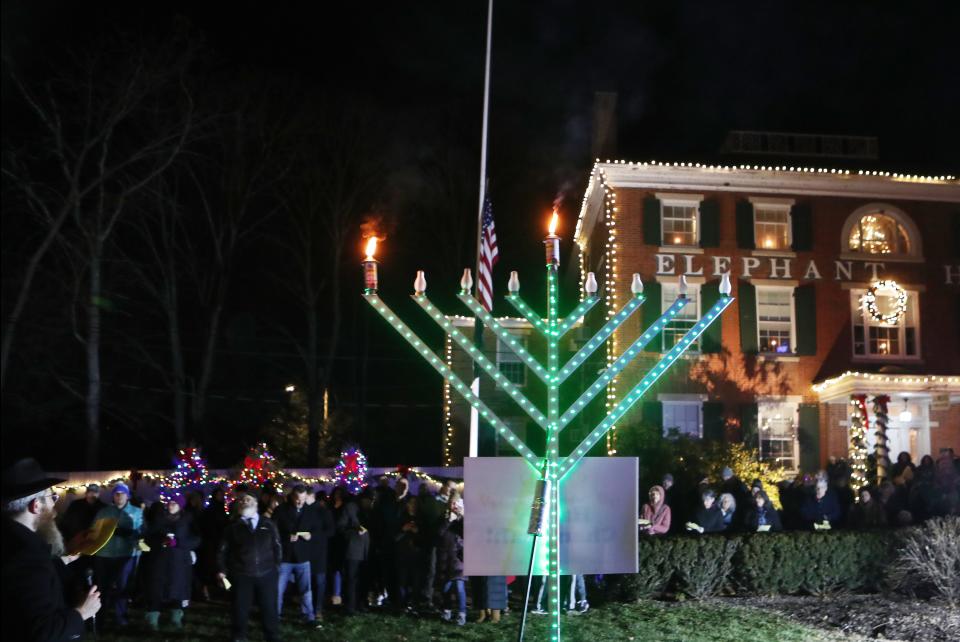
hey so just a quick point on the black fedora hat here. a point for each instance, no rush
(25, 477)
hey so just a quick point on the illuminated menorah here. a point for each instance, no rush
(552, 467)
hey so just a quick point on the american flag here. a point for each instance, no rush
(489, 255)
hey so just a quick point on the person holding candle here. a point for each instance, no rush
(169, 568)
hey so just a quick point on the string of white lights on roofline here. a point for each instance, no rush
(886, 378)
(782, 168)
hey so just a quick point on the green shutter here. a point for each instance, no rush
(805, 302)
(747, 298)
(709, 223)
(809, 437)
(651, 412)
(652, 312)
(713, 421)
(711, 341)
(651, 221)
(745, 240)
(801, 220)
(749, 414)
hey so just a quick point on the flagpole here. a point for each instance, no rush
(474, 447)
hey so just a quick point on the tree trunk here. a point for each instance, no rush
(199, 408)
(176, 358)
(335, 317)
(94, 386)
(314, 388)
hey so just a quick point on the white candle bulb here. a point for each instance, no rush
(420, 283)
(466, 282)
(513, 285)
(590, 286)
(637, 285)
(725, 287)
(683, 285)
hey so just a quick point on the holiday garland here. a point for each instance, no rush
(859, 425)
(881, 448)
(351, 470)
(871, 307)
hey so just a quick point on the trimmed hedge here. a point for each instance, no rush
(759, 564)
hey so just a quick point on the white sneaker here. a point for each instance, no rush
(461, 618)
(583, 606)
(447, 615)
(538, 611)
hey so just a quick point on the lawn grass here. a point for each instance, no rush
(648, 621)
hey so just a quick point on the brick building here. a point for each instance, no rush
(803, 247)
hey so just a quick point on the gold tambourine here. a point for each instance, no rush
(90, 541)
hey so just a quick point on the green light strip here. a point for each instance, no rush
(553, 448)
(527, 312)
(489, 367)
(622, 361)
(440, 366)
(507, 338)
(577, 314)
(602, 335)
(638, 391)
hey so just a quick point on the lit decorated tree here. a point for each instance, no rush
(859, 424)
(882, 445)
(260, 468)
(190, 473)
(351, 470)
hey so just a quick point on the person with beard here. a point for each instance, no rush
(114, 563)
(250, 556)
(169, 571)
(34, 604)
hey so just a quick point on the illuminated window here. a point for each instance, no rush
(686, 317)
(876, 339)
(682, 418)
(510, 364)
(775, 319)
(777, 424)
(772, 226)
(679, 224)
(879, 234)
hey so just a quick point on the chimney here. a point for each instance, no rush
(604, 135)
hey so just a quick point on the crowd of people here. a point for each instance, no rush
(383, 548)
(909, 494)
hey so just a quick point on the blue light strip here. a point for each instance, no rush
(622, 361)
(489, 367)
(638, 391)
(600, 337)
(440, 366)
(577, 314)
(508, 339)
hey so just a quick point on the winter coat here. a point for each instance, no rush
(79, 517)
(814, 510)
(250, 553)
(319, 543)
(450, 552)
(125, 539)
(869, 515)
(289, 522)
(355, 537)
(34, 607)
(710, 519)
(169, 569)
(767, 515)
(659, 515)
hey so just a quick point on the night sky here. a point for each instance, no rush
(685, 72)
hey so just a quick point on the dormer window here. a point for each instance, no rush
(881, 230)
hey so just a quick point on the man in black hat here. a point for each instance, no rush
(33, 596)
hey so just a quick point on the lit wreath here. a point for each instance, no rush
(870, 302)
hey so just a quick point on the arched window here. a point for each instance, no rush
(882, 230)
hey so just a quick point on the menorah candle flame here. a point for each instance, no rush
(552, 243)
(370, 265)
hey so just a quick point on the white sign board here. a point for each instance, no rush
(598, 518)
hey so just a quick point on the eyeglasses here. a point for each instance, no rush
(54, 496)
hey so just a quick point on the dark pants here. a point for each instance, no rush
(319, 590)
(112, 576)
(242, 593)
(351, 584)
(430, 575)
(409, 572)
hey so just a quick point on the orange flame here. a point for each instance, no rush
(553, 223)
(371, 248)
